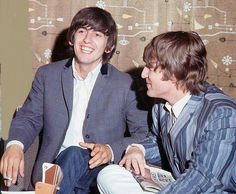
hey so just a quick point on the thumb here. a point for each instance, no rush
(122, 162)
(87, 145)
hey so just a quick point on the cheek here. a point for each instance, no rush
(154, 79)
(76, 46)
(158, 85)
(103, 46)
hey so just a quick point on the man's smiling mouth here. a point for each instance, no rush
(86, 49)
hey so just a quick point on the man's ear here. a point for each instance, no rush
(109, 50)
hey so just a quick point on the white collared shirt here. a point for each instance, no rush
(81, 95)
(178, 106)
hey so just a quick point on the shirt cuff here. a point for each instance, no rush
(140, 146)
(112, 154)
(15, 142)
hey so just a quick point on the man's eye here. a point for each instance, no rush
(81, 31)
(98, 34)
(149, 67)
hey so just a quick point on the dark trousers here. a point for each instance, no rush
(77, 176)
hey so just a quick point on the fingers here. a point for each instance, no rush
(135, 165)
(134, 161)
(7, 173)
(101, 154)
(126, 162)
(142, 165)
(15, 169)
(21, 170)
(11, 160)
(123, 161)
(132, 164)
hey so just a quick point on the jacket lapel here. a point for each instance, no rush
(180, 134)
(99, 86)
(67, 86)
(185, 116)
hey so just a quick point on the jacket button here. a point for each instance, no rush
(88, 116)
(87, 136)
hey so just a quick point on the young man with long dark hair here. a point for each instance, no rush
(194, 125)
(81, 107)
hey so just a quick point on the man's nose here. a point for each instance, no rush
(144, 73)
(87, 37)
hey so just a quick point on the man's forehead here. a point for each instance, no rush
(87, 27)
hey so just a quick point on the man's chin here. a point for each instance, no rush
(150, 94)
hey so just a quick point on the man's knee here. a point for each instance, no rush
(108, 174)
(73, 153)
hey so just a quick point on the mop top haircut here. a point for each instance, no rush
(99, 20)
(179, 54)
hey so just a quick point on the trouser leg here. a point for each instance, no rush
(114, 179)
(77, 176)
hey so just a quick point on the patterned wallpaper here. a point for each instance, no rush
(138, 21)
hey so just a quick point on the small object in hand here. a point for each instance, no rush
(7, 178)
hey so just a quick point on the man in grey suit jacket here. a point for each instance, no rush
(81, 107)
(194, 128)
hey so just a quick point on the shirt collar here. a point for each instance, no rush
(178, 106)
(91, 74)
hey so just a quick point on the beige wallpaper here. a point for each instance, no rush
(15, 59)
(138, 21)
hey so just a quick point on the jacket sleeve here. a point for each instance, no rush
(28, 121)
(136, 122)
(152, 143)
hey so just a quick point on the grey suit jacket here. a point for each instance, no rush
(47, 111)
(200, 146)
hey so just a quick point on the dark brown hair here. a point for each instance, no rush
(98, 20)
(181, 54)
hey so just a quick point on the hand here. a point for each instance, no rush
(12, 164)
(100, 153)
(134, 160)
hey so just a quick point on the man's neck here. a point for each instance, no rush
(83, 70)
(176, 96)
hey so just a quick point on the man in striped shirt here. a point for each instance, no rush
(194, 125)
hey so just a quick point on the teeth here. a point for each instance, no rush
(86, 49)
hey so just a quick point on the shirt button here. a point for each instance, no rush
(88, 116)
(87, 136)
